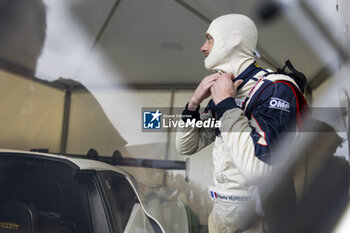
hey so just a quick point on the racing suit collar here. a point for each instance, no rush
(248, 73)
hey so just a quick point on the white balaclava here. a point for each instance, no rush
(235, 37)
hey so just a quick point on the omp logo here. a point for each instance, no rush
(151, 120)
(7, 225)
(279, 104)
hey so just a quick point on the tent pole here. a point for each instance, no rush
(172, 96)
(105, 24)
(65, 123)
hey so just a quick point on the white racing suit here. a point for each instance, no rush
(251, 123)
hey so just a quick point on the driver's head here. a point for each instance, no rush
(230, 44)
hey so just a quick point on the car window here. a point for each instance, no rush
(121, 198)
(55, 194)
(122, 201)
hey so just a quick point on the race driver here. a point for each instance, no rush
(255, 108)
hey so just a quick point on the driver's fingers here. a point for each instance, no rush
(237, 83)
(212, 77)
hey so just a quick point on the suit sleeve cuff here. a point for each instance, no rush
(188, 114)
(223, 106)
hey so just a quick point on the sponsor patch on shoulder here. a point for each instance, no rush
(279, 104)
